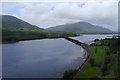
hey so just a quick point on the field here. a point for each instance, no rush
(94, 63)
(110, 69)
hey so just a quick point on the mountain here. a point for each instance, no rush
(14, 29)
(80, 27)
(13, 22)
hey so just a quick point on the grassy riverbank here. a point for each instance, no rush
(104, 51)
(94, 63)
(110, 68)
(14, 35)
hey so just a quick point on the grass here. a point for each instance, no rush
(14, 35)
(111, 67)
(111, 60)
(90, 70)
(97, 42)
(111, 63)
(68, 74)
(99, 54)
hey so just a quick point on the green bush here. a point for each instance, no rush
(96, 40)
(92, 60)
(95, 50)
(105, 71)
(68, 74)
(107, 52)
(107, 60)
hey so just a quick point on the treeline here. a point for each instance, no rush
(13, 35)
(111, 67)
(101, 42)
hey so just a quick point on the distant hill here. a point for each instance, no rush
(80, 27)
(13, 22)
(14, 29)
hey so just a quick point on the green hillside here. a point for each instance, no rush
(80, 27)
(13, 22)
(14, 29)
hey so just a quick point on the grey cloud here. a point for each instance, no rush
(102, 13)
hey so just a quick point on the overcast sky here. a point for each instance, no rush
(49, 14)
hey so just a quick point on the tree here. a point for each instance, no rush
(92, 60)
(95, 50)
(96, 40)
(68, 74)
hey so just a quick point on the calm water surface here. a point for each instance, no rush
(88, 39)
(46, 58)
(40, 58)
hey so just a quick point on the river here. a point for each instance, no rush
(46, 58)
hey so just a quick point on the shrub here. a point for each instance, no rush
(107, 60)
(92, 44)
(68, 74)
(95, 50)
(96, 40)
(107, 52)
(92, 61)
